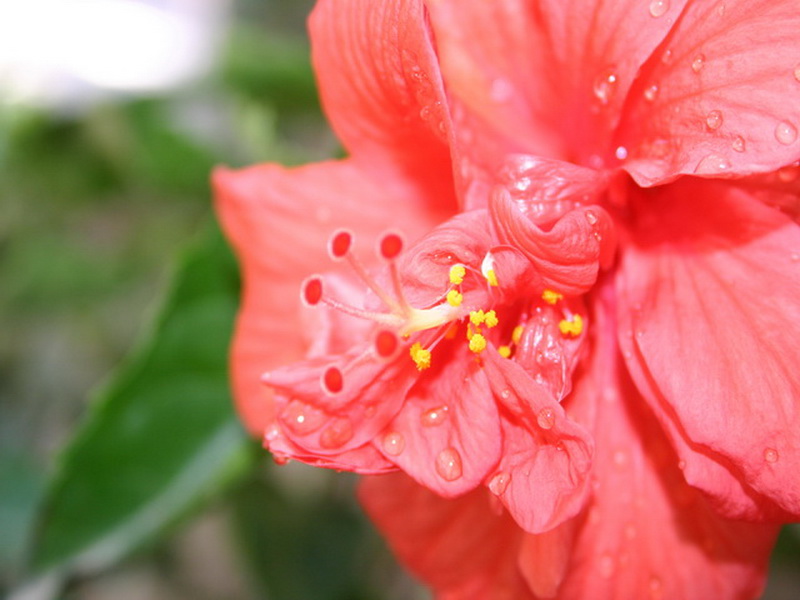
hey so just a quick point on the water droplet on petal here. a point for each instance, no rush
(591, 217)
(546, 418)
(499, 482)
(785, 133)
(301, 418)
(337, 434)
(714, 120)
(621, 153)
(272, 433)
(448, 464)
(606, 566)
(698, 63)
(394, 443)
(712, 164)
(655, 587)
(666, 58)
(681, 464)
(505, 394)
(651, 92)
(738, 144)
(434, 416)
(604, 86)
(658, 8)
(771, 455)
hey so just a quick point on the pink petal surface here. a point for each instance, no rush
(720, 96)
(510, 68)
(450, 428)
(380, 86)
(708, 290)
(646, 533)
(462, 548)
(279, 221)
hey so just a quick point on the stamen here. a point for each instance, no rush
(477, 343)
(572, 327)
(516, 335)
(504, 351)
(487, 269)
(490, 318)
(391, 245)
(551, 297)
(457, 274)
(454, 298)
(332, 380)
(477, 317)
(420, 356)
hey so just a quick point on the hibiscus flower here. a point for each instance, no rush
(550, 301)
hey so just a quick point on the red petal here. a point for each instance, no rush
(461, 547)
(569, 255)
(449, 426)
(728, 86)
(279, 221)
(381, 88)
(529, 76)
(542, 476)
(709, 293)
(647, 534)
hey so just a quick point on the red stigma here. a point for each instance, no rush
(386, 343)
(333, 380)
(391, 245)
(312, 290)
(339, 244)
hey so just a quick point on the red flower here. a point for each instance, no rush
(584, 364)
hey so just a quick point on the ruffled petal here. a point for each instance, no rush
(569, 255)
(380, 86)
(278, 221)
(720, 95)
(646, 533)
(708, 293)
(462, 548)
(542, 477)
(510, 69)
(447, 434)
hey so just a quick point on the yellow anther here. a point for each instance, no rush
(491, 277)
(573, 327)
(490, 318)
(454, 298)
(457, 273)
(477, 317)
(504, 351)
(551, 297)
(420, 356)
(477, 343)
(516, 335)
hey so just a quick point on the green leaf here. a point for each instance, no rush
(160, 437)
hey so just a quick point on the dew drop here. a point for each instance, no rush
(272, 433)
(499, 482)
(394, 443)
(738, 144)
(785, 133)
(797, 72)
(651, 93)
(505, 394)
(621, 153)
(301, 418)
(712, 164)
(714, 120)
(655, 587)
(681, 464)
(666, 58)
(606, 566)
(658, 8)
(591, 217)
(337, 434)
(434, 416)
(698, 62)
(604, 86)
(771, 455)
(448, 464)
(546, 418)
